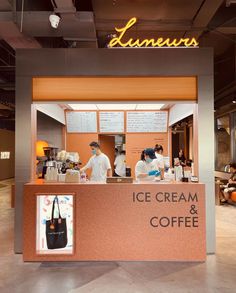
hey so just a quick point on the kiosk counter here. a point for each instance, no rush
(143, 221)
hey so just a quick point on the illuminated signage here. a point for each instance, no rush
(4, 155)
(118, 41)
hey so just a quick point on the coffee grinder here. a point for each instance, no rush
(51, 154)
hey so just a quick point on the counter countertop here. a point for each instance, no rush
(43, 182)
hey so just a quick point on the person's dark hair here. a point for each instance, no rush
(158, 148)
(142, 158)
(123, 152)
(189, 163)
(116, 150)
(94, 144)
(232, 165)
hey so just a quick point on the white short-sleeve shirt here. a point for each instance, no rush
(144, 167)
(99, 165)
(160, 160)
(120, 165)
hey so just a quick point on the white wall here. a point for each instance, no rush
(50, 130)
(52, 110)
(179, 112)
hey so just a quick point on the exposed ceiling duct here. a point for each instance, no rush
(76, 27)
(229, 2)
(64, 6)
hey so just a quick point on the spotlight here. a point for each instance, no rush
(54, 20)
(234, 101)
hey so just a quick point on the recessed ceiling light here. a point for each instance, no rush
(234, 102)
(149, 106)
(83, 106)
(116, 106)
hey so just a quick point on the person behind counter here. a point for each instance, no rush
(182, 159)
(99, 163)
(159, 158)
(146, 168)
(120, 165)
(116, 152)
(231, 186)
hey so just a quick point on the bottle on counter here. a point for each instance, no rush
(178, 173)
(82, 177)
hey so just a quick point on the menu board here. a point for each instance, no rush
(111, 122)
(81, 122)
(147, 121)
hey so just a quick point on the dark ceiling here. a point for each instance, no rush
(88, 24)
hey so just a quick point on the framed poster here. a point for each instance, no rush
(147, 121)
(111, 122)
(81, 122)
(55, 224)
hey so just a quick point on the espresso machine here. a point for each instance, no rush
(51, 155)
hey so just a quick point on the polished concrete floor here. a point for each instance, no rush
(218, 274)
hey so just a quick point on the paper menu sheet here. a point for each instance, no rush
(81, 122)
(111, 122)
(147, 121)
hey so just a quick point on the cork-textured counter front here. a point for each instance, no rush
(151, 221)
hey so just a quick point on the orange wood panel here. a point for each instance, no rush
(110, 226)
(107, 144)
(195, 144)
(136, 142)
(170, 145)
(114, 88)
(33, 141)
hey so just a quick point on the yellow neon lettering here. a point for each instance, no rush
(115, 41)
(147, 43)
(193, 42)
(166, 42)
(160, 42)
(186, 42)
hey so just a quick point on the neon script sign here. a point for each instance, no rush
(117, 41)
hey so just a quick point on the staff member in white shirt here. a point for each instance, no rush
(99, 163)
(120, 165)
(146, 168)
(160, 159)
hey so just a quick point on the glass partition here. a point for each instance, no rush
(223, 143)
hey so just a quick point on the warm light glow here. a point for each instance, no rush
(159, 42)
(83, 106)
(149, 106)
(40, 144)
(116, 106)
(120, 106)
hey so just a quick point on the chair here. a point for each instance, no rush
(233, 196)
